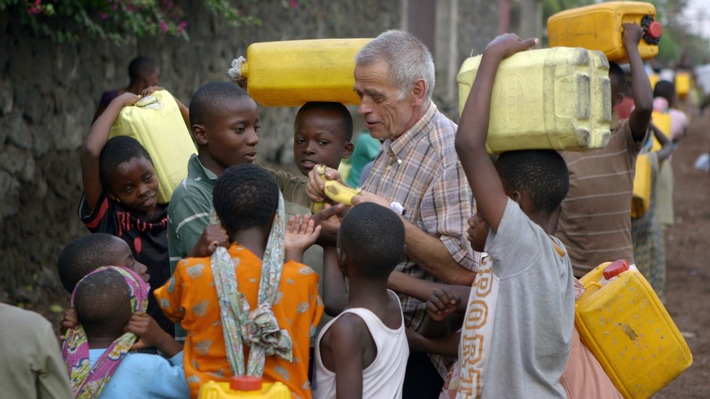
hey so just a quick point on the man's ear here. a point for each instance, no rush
(342, 258)
(200, 135)
(419, 91)
(348, 151)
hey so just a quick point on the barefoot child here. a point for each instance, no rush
(201, 293)
(110, 302)
(363, 352)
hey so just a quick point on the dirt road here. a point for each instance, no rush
(688, 265)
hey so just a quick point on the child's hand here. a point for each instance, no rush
(329, 220)
(150, 90)
(441, 304)
(632, 34)
(213, 236)
(508, 44)
(126, 99)
(70, 320)
(301, 232)
(147, 329)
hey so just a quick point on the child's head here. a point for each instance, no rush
(87, 253)
(618, 83)
(539, 175)
(106, 298)
(127, 174)
(224, 122)
(144, 70)
(370, 241)
(245, 196)
(665, 89)
(322, 134)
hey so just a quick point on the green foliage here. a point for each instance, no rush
(117, 20)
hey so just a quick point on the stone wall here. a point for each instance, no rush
(48, 94)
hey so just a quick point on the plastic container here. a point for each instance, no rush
(291, 73)
(643, 178)
(599, 27)
(663, 122)
(244, 387)
(556, 98)
(682, 84)
(156, 122)
(624, 324)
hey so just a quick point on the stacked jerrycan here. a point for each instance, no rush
(244, 387)
(155, 121)
(624, 324)
(293, 72)
(599, 27)
(557, 98)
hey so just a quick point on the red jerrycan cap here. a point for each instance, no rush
(615, 268)
(655, 30)
(245, 383)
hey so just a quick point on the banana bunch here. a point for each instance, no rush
(335, 191)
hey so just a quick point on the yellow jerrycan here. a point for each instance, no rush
(653, 78)
(664, 123)
(598, 27)
(244, 387)
(682, 84)
(292, 72)
(556, 98)
(627, 328)
(643, 180)
(156, 122)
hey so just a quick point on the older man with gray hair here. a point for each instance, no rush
(418, 175)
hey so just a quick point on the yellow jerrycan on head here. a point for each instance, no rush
(624, 324)
(599, 27)
(556, 98)
(244, 387)
(683, 83)
(155, 121)
(290, 73)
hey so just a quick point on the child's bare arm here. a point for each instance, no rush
(94, 143)
(151, 335)
(666, 145)
(214, 235)
(301, 233)
(348, 337)
(423, 290)
(640, 85)
(447, 345)
(335, 293)
(473, 130)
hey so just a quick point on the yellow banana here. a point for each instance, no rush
(335, 191)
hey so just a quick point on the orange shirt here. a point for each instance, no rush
(189, 297)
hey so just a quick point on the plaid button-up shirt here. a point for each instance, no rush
(421, 171)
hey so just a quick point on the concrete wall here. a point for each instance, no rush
(48, 94)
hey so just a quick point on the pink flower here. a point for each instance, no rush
(163, 26)
(35, 8)
(293, 3)
(103, 15)
(181, 27)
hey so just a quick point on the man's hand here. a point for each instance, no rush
(374, 198)
(441, 304)
(211, 238)
(70, 320)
